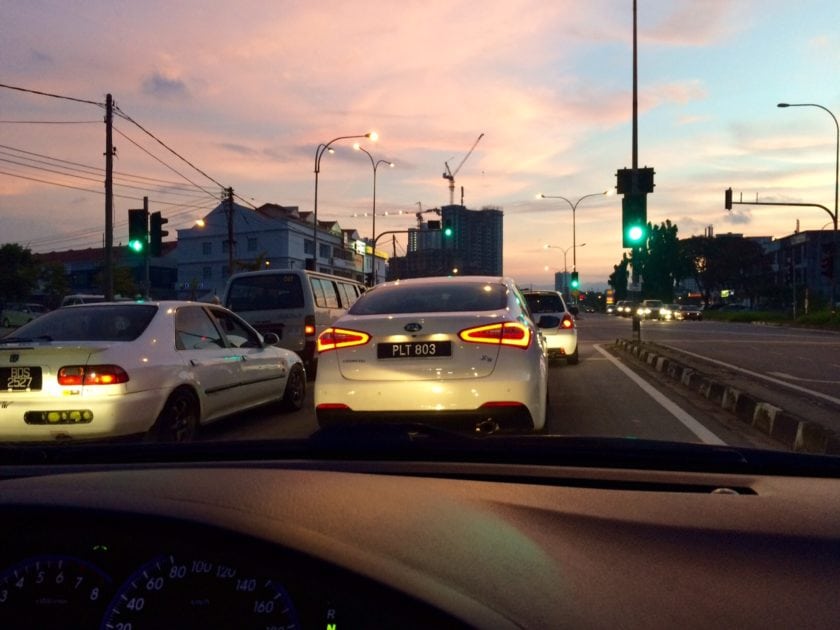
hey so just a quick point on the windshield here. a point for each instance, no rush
(558, 220)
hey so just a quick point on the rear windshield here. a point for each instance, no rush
(265, 292)
(105, 322)
(544, 302)
(433, 298)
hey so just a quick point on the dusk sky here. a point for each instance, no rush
(246, 91)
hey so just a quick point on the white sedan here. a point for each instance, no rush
(460, 351)
(123, 368)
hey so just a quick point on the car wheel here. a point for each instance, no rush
(295, 389)
(573, 358)
(178, 422)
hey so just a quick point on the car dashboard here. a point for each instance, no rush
(413, 544)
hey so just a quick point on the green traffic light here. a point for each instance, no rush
(635, 234)
(136, 246)
(447, 232)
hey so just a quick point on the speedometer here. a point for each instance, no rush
(53, 591)
(199, 592)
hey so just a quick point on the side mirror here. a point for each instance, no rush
(574, 310)
(271, 339)
(549, 321)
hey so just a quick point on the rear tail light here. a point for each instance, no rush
(309, 326)
(505, 334)
(333, 338)
(568, 322)
(92, 375)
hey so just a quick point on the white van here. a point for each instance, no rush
(295, 304)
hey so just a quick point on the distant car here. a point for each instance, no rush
(610, 309)
(626, 308)
(123, 368)
(688, 311)
(16, 314)
(649, 309)
(667, 312)
(460, 351)
(561, 340)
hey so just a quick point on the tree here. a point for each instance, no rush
(618, 278)
(661, 262)
(54, 283)
(726, 262)
(20, 273)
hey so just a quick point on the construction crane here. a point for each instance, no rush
(450, 175)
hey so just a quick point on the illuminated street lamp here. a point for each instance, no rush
(574, 206)
(834, 252)
(319, 152)
(565, 266)
(375, 164)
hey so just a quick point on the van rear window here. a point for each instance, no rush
(265, 292)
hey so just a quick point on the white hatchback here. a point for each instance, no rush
(122, 368)
(461, 352)
(561, 339)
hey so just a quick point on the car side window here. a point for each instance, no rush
(318, 292)
(237, 334)
(194, 330)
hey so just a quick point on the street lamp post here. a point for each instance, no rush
(375, 165)
(565, 266)
(573, 206)
(319, 152)
(836, 190)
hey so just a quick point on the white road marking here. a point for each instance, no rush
(690, 423)
(791, 377)
(776, 381)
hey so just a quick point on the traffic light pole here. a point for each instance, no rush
(146, 282)
(728, 203)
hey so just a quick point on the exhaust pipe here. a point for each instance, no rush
(486, 427)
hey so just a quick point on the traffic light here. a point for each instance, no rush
(138, 230)
(447, 228)
(633, 220)
(727, 199)
(156, 232)
(575, 283)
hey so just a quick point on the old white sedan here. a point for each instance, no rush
(156, 368)
(461, 352)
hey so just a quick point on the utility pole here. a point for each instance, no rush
(231, 242)
(108, 277)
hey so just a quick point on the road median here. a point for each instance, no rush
(772, 415)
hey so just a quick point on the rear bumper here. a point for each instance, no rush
(563, 344)
(439, 402)
(112, 416)
(506, 419)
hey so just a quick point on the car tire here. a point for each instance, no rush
(295, 391)
(178, 421)
(574, 358)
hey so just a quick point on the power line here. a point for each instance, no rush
(59, 96)
(157, 159)
(122, 114)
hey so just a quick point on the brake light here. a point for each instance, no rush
(505, 334)
(309, 325)
(568, 322)
(92, 375)
(333, 338)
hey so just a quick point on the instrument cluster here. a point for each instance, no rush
(84, 570)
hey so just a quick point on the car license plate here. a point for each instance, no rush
(20, 379)
(414, 349)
